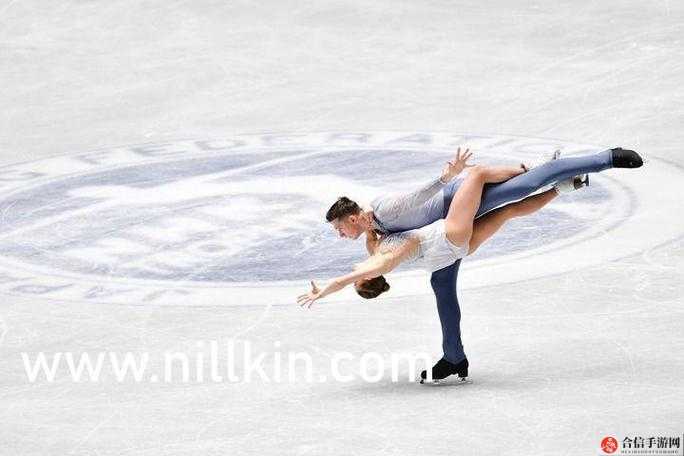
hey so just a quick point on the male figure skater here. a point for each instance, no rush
(390, 214)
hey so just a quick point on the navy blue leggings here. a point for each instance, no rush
(444, 281)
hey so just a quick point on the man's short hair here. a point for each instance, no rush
(342, 208)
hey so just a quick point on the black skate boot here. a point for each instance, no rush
(625, 158)
(444, 369)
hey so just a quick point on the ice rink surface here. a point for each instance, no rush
(166, 236)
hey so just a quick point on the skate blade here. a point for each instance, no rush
(455, 381)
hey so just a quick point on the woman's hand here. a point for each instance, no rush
(310, 297)
(454, 167)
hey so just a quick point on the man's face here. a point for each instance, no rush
(348, 227)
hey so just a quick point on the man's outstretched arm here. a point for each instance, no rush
(391, 207)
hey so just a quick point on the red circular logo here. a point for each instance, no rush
(609, 445)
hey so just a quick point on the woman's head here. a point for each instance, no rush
(371, 288)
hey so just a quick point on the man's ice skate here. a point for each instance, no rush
(572, 184)
(625, 158)
(446, 372)
(555, 156)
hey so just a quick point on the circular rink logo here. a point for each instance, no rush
(240, 220)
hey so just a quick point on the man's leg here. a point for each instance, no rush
(550, 172)
(443, 284)
(445, 281)
(524, 185)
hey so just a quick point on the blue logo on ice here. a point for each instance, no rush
(242, 210)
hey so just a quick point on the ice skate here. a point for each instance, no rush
(571, 184)
(625, 158)
(446, 372)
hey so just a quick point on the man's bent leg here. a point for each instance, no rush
(443, 284)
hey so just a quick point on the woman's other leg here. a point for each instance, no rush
(485, 226)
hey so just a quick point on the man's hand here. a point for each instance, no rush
(454, 167)
(310, 297)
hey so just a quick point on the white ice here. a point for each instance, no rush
(557, 362)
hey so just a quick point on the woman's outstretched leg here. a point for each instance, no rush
(485, 226)
(466, 201)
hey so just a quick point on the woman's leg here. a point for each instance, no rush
(466, 201)
(485, 226)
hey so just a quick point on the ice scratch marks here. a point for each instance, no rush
(6, 7)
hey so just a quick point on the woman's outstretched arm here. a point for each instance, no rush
(368, 270)
(381, 264)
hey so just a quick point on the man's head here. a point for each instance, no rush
(371, 288)
(347, 218)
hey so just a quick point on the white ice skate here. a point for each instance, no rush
(571, 184)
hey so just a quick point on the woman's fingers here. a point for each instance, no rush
(305, 300)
